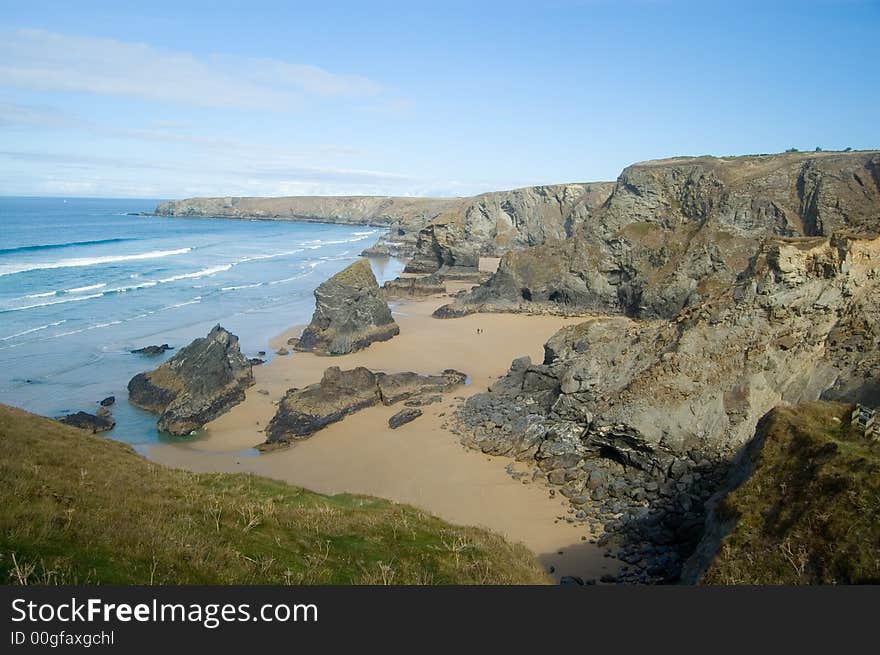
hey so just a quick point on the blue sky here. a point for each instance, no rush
(164, 100)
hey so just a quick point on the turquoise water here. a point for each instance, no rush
(82, 283)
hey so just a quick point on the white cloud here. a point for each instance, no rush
(46, 61)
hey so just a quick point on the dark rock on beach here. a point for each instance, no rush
(89, 422)
(403, 417)
(202, 381)
(413, 287)
(350, 314)
(152, 351)
(302, 412)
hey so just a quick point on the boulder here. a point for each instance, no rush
(201, 382)
(89, 422)
(403, 417)
(350, 314)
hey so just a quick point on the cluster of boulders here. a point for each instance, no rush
(302, 412)
(201, 382)
(100, 421)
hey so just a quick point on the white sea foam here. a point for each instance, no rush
(32, 330)
(133, 287)
(61, 292)
(204, 272)
(53, 302)
(91, 287)
(194, 301)
(12, 269)
(290, 279)
(243, 286)
(269, 256)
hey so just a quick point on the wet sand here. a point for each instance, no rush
(421, 463)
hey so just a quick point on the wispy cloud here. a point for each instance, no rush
(47, 61)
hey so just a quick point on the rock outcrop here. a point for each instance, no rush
(413, 287)
(436, 232)
(202, 381)
(645, 415)
(350, 314)
(497, 222)
(403, 417)
(88, 422)
(673, 232)
(152, 351)
(302, 412)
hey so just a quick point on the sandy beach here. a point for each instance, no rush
(421, 463)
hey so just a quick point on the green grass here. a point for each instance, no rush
(77, 508)
(810, 512)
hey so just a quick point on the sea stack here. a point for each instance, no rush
(350, 314)
(198, 384)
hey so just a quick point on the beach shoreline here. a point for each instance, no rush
(422, 463)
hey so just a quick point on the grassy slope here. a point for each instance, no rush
(76, 508)
(810, 512)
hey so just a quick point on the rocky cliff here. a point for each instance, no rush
(350, 313)
(493, 223)
(675, 231)
(355, 210)
(202, 381)
(436, 231)
(404, 217)
(642, 416)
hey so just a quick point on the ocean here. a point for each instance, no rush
(83, 282)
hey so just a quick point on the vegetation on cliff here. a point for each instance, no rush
(810, 511)
(76, 508)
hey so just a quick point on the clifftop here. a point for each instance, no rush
(800, 507)
(79, 509)
(358, 210)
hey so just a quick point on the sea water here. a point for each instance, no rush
(83, 282)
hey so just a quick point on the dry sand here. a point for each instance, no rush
(421, 463)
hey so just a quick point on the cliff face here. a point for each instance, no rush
(648, 412)
(403, 216)
(675, 231)
(493, 223)
(435, 231)
(356, 210)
